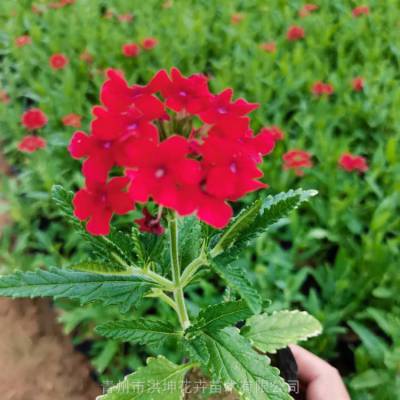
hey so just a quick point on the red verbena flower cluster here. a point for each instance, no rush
(295, 33)
(360, 10)
(297, 160)
(58, 61)
(176, 144)
(33, 119)
(320, 88)
(307, 9)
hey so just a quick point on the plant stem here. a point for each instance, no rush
(176, 272)
(158, 293)
(192, 268)
(164, 282)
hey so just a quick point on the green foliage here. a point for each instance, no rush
(221, 315)
(271, 332)
(98, 268)
(142, 331)
(232, 361)
(159, 380)
(254, 220)
(235, 277)
(120, 290)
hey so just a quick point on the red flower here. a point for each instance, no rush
(72, 120)
(230, 169)
(149, 223)
(296, 160)
(58, 61)
(295, 33)
(4, 98)
(34, 119)
(130, 50)
(30, 144)
(117, 96)
(98, 202)
(307, 9)
(268, 47)
(184, 94)
(360, 10)
(86, 57)
(221, 107)
(358, 84)
(320, 88)
(275, 132)
(125, 17)
(22, 41)
(165, 173)
(350, 162)
(149, 43)
(237, 18)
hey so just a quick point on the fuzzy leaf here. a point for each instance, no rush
(189, 239)
(120, 290)
(142, 331)
(255, 219)
(196, 348)
(236, 279)
(98, 267)
(271, 332)
(221, 315)
(159, 380)
(232, 361)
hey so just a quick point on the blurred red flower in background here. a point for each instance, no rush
(125, 17)
(98, 202)
(307, 9)
(350, 162)
(295, 33)
(86, 57)
(22, 41)
(297, 160)
(320, 88)
(31, 143)
(358, 84)
(360, 10)
(34, 119)
(237, 18)
(72, 120)
(4, 97)
(275, 132)
(268, 47)
(58, 61)
(149, 43)
(130, 50)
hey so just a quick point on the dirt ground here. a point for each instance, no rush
(37, 362)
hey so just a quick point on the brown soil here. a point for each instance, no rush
(37, 362)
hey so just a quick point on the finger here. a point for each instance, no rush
(310, 366)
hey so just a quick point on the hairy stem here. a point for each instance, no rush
(165, 283)
(176, 272)
(192, 268)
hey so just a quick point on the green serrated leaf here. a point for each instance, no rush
(120, 290)
(221, 315)
(196, 349)
(142, 331)
(237, 280)
(98, 267)
(189, 239)
(256, 218)
(239, 224)
(233, 362)
(159, 380)
(271, 332)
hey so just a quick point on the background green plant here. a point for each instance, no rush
(338, 259)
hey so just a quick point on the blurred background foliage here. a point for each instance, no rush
(338, 258)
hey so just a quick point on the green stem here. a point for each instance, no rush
(159, 294)
(164, 282)
(192, 268)
(176, 272)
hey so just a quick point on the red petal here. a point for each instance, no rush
(221, 182)
(81, 145)
(83, 203)
(99, 223)
(214, 212)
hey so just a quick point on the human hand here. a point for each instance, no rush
(321, 380)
